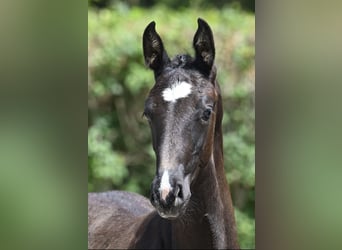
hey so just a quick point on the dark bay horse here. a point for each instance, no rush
(192, 206)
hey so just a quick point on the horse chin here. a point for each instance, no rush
(174, 213)
(169, 216)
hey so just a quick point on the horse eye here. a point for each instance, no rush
(206, 114)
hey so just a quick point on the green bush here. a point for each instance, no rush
(119, 142)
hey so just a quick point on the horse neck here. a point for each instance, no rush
(211, 215)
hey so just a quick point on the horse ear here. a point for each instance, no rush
(204, 46)
(154, 53)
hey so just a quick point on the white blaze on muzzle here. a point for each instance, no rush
(165, 187)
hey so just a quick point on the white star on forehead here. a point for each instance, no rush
(176, 91)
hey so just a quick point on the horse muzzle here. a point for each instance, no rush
(170, 195)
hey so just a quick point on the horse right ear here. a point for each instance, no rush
(154, 53)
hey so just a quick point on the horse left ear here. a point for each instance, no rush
(204, 46)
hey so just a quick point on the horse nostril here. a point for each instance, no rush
(179, 192)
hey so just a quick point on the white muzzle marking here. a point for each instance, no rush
(165, 186)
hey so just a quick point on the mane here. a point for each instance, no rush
(181, 61)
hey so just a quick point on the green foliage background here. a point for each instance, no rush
(120, 154)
